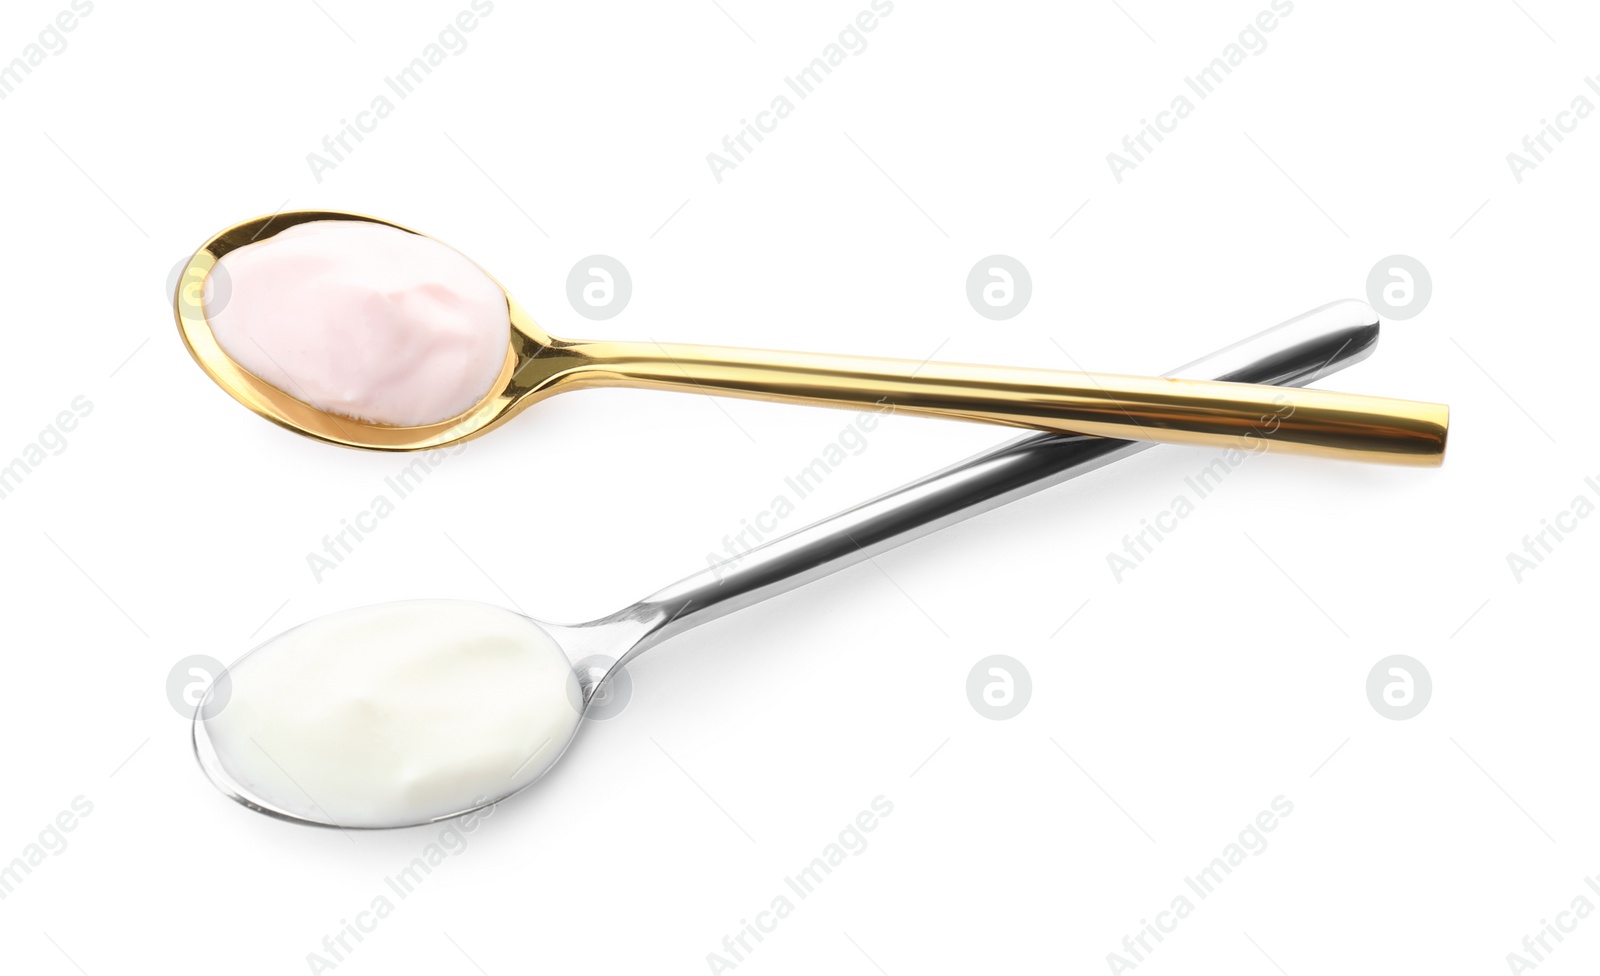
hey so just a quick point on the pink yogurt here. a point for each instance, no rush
(363, 320)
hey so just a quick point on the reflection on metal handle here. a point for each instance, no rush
(1200, 412)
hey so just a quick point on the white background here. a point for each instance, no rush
(1227, 670)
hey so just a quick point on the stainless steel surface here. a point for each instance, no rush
(1292, 354)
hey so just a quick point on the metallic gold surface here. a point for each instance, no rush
(1244, 416)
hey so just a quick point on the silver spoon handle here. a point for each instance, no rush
(1295, 353)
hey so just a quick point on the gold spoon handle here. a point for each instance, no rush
(1172, 411)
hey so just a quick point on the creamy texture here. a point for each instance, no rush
(363, 320)
(396, 714)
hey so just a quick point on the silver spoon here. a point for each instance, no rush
(1295, 353)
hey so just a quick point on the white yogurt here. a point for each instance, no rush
(395, 714)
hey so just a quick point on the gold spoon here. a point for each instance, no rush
(537, 365)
